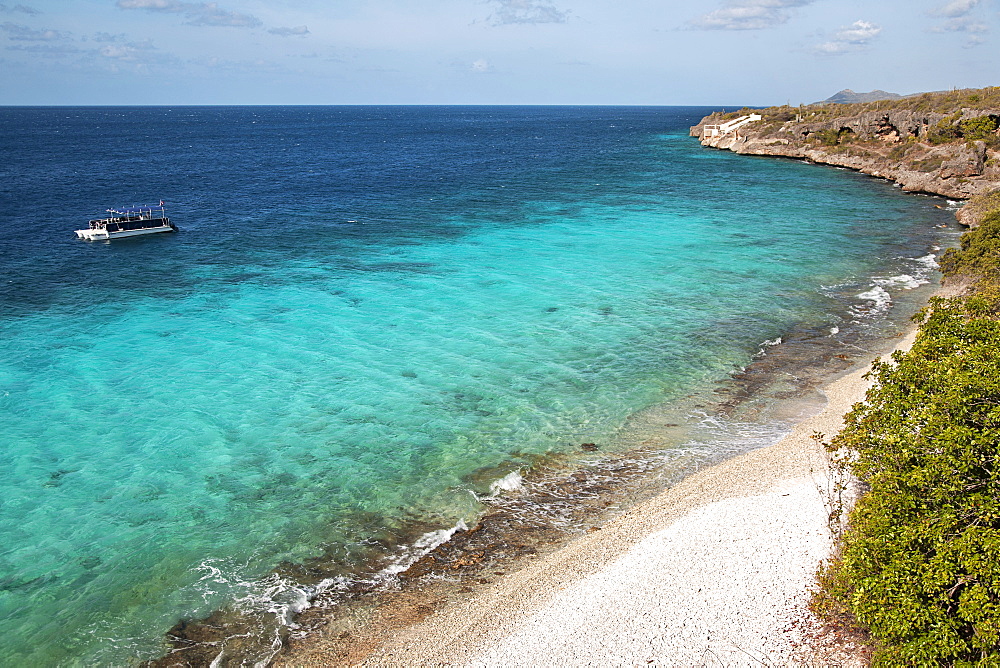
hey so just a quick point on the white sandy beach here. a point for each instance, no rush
(714, 571)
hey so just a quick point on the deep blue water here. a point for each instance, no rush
(364, 308)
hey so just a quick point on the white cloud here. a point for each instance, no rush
(196, 13)
(749, 15)
(254, 65)
(959, 19)
(957, 8)
(297, 31)
(859, 32)
(481, 65)
(139, 57)
(131, 52)
(51, 49)
(855, 36)
(21, 33)
(526, 11)
(973, 30)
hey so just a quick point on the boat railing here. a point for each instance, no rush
(141, 211)
(130, 214)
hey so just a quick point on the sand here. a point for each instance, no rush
(716, 570)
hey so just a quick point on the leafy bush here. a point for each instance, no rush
(945, 130)
(979, 128)
(920, 563)
(779, 114)
(978, 253)
(825, 137)
(899, 151)
(832, 137)
(950, 129)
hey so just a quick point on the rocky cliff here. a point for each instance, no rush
(931, 143)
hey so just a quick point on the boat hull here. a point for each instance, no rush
(101, 234)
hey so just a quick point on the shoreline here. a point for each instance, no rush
(558, 500)
(437, 617)
(366, 614)
(640, 589)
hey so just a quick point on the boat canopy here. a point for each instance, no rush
(133, 210)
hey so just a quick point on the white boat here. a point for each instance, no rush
(128, 222)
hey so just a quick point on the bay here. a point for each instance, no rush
(364, 309)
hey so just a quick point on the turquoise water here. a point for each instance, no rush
(364, 309)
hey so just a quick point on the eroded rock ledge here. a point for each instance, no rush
(952, 152)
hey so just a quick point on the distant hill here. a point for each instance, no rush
(848, 96)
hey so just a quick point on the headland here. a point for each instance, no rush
(937, 143)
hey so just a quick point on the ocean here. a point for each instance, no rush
(368, 317)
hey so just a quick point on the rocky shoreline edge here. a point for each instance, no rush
(464, 599)
(945, 144)
(555, 504)
(715, 569)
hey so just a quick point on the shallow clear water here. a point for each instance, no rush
(365, 308)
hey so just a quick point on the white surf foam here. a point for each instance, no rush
(903, 281)
(879, 297)
(420, 547)
(513, 482)
(764, 345)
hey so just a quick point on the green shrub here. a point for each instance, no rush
(920, 563)
(832, 137)
(779, 114)
(825, 137)
(946, 130)
(899, 151)
(979, 128)
(978, 253)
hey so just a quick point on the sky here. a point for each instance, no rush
(617, 52)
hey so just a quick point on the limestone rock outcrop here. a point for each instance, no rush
(903, 145)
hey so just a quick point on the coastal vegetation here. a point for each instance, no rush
(918, 566)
